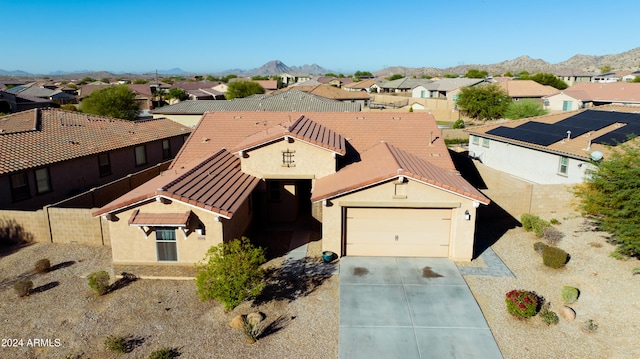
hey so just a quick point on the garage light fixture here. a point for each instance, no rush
(467, 215)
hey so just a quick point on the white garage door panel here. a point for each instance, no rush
(398, 232)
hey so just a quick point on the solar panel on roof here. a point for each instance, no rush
(539, 138)
(619, 135)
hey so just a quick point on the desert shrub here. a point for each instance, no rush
(459, 123)
(549, 317)
(590, 326)
(527, 221)
(552, 235)
(231, 273)
(570, 294)
(99, 282)
(554, 257)
(43, 265)
(23, 287)
(251, 331)
(522, 304)
(116, 344)
(531, 222)
(554, 221)
(635, 271)
(164, 353)
(539, 246)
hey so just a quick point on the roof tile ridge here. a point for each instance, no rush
(193, 169)
(291, 127)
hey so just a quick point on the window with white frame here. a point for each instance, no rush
(43, 182)
(141, 155)
(563, 167)
(166, 244)
(475, 139)
(485, 142)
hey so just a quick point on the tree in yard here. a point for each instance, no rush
(231, 273)
(605, 68)
(394, 77)
(549, 80)
(476, 74)
(611, 195)
(524, 109)
(259, 78)
(114, 101)
(486, 102)
(636, 79)
(240, 89)
(176, 93)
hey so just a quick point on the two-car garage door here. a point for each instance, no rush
(407, 232)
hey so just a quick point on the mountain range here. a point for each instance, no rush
(629, 60)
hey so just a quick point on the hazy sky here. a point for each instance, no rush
(41, 36)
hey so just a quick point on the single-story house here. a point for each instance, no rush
(331, 92)
(526, 89)
(553, 149)
(444, 88)
(380, 184)
(592, 94)
(48, 155)
(402, 85)
(573, 76)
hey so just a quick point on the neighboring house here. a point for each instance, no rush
(189, 113)
(364, 85)
(563, 101)
(590, 94)
(289, 79)
(526, 89)
(331, 92)
(553, 149)
(10, 102)
(444, 88)
(268, 85)
(572, 76)
(54, 95)
(381, 184)
(338, 82)
(607, 77)
(47, 155)
(403, 85)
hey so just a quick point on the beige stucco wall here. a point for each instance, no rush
(418, 195)
(310, 161)
(131, 249)
(76, 225)
(186, 120)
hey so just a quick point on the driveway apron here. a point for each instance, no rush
(409, 308)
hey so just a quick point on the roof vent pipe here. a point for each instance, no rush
(568, 135)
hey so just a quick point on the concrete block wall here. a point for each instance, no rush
(33, 223)
(75, 225)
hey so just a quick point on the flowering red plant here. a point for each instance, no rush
(522, 303)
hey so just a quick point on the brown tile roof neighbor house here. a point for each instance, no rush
(43, 136)
(610, 92)
(526, 89)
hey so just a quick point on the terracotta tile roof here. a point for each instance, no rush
(364, 84)
(293, 101)
(605, 92)
(577, 146)
(385, 162)
(451, 84)
(215, 184)
(526, 88)
(159, 219)
(411, 131)
(43, 136)
(303, 129)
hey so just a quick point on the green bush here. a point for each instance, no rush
(554, 221)
(554, 257)
(459, 123)
(522, 304)
(531, 222)
(99, 282)
(116, 344)
(590, 326)
(570, 294)
(43, 265)
(527, 221)
(23, 287)
(231, 273)
(164, 353)
(548, 317)
(539, 246)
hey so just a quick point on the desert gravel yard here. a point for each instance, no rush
(302, 312)
(153, 314)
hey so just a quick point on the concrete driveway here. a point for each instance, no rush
(409, 308)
